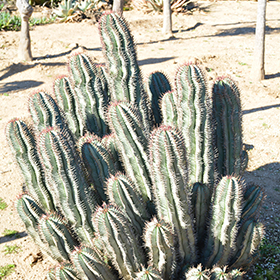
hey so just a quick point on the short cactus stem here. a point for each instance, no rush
(90, 264)
(120, 242)
(169, 109)
(228, 134)
(197, 273)
(170, 187)
(149, 273)
(194, 120)
(66, 271)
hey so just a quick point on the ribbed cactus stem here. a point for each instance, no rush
(157, 85)
(125, 123)
(67, 100)
(90, 264)
(169, 109)
(124, 76)
(89, 89)
(160, 241)
(224, 222)
(120, 242)
(67, 179)
(219, 273)
(228, 135)
(23, 146)
(197, 273)
(170, 187)
(194, 113)
(98, 161)
(55, 233)
(149, 273)
(66, 271)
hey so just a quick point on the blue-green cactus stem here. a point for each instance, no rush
(169, 109)
(55, 233)
(90, 93)
(66, 271)
(194, 120)
(66, 177)
(24, 148)
(200, 198)
(149, 273)
(219, 273)
(101, 70)
(157, 85)
(124, 76)
(160, 241)
(121, 244)
(67, 100)
(170, 187)
(98, 162)
(228, 134)
(125, 123)
(122, 192)
(197, 273)
(223, 228)
(91, 265)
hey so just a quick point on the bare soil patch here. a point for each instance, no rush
(219, 36)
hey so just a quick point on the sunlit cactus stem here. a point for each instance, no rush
(24, 148)
(170, 187)
(194, 120)
(149, 273)
(66, 271)
(169, 109)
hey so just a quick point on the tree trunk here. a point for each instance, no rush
(258, 70)
(24, 46)
(118, 6)
(167, 17)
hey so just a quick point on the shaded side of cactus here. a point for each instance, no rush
(67, 100)
(194, 120)
(66, 271)
(224, 222)
(55, 233)
(120, 242)
(124, 76)
(169, 109)
(23, 146)
(98, 162)
(122, 192)
(228, 133)
(159, 239)
(90, 264)
(170, 187)
(90, 93)
(66, 177)
(157, 85)
(124, 122)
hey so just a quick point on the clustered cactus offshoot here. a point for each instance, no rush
(128, 182)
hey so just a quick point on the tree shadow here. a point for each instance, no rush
(12, 237)
(154, 60)
(14, 86)
(272, 76)
(260, 109)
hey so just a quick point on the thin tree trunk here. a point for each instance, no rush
(167, 17)
(258, 70)
(118, 6)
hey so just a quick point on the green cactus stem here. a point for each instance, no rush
(92, 98)
(194, 120)
(149, 273)
(170, 187)
(159, 239)
(169, 109)
(66, 177)
(124, 76)
(197, 273)
(66, 271)
(24, 148)
(120, 242)
(98, 162)
(125, 123)
(157, 85)
(228, 134)
(90, 264)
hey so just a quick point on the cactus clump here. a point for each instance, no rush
(111, 193)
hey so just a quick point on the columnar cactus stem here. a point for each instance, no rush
(124, 76)
(170, 187)
(149, 273)
(66, 272)
(88, 87)
(157, 85)
(98, 161)
(120, 242)
(159, 239)
(67, 179)
(169, 109)
(23, 145)
(226, 201)
(197, 273)
(90, 264)
(125, 123)
(228, 135)
(194, 109)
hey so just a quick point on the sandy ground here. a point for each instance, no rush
(220, 36)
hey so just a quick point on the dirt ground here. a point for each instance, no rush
(219, 36)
